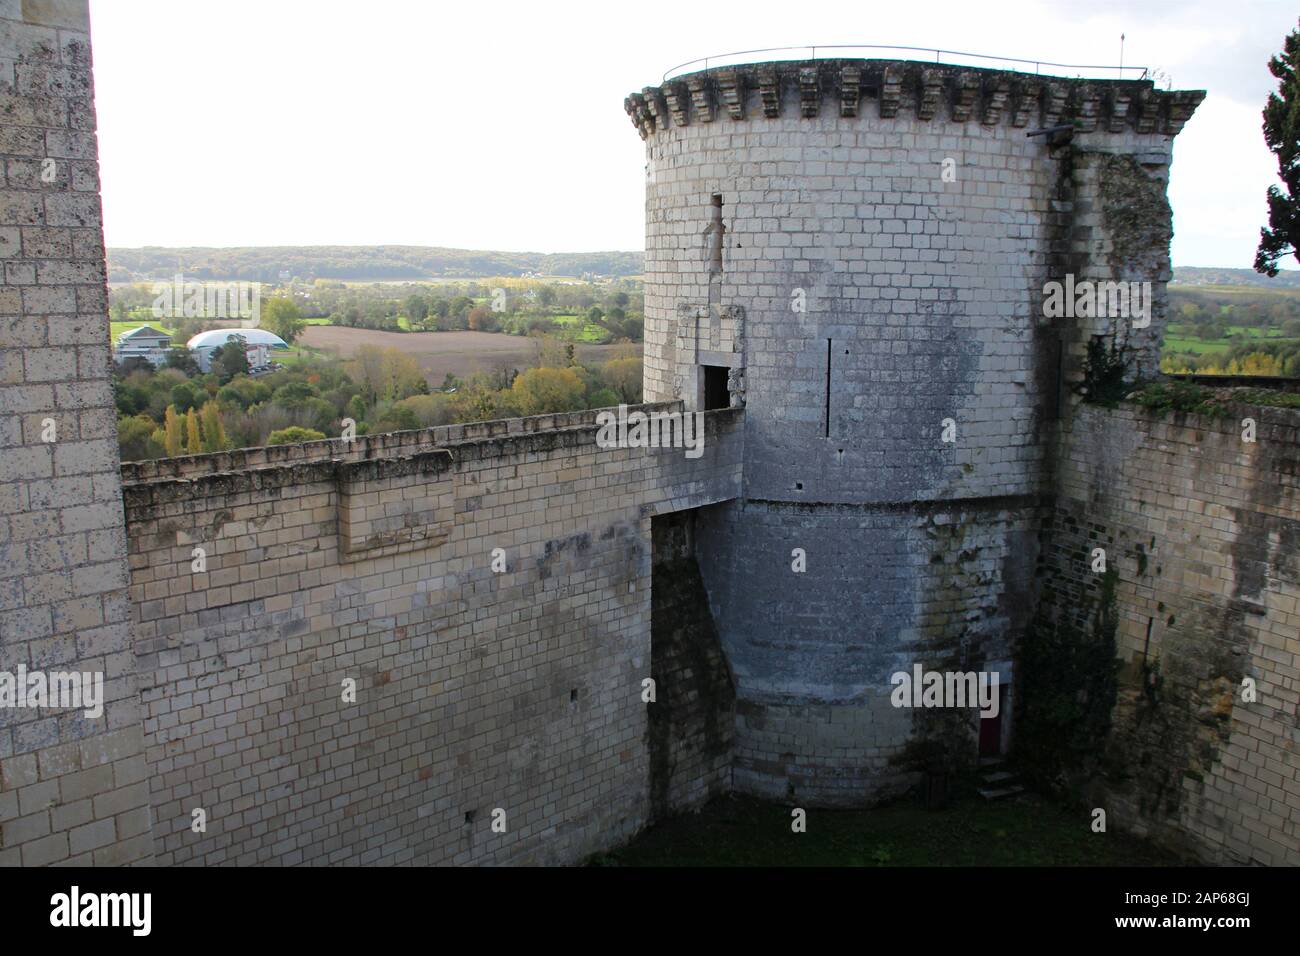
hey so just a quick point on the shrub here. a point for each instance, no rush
(293, 435)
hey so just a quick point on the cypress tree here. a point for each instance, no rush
(193, 443)
(173, 440)
(1282, 133)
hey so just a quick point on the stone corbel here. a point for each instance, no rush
(963, 102)
(1118, 107)
(1181, 105)
(701, 98)
(635, 107)
(769, 90)
(731, 84)
(1026, 104)
(891, 91)
(1084, 108)
(1053, 104)
(657, 108)
(1147, 105)
(996, 100)
(676, 96)
(809, 92)
(931, 94)
(850, 90)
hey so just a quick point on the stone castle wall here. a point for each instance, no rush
(475, 690)
(1202, 538)
(73, 788)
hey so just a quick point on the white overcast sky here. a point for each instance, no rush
(480, 124)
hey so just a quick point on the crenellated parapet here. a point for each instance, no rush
(886, 88)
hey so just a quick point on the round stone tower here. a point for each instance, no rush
(855, 251)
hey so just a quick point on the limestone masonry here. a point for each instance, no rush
(394, 641)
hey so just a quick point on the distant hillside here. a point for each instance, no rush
(1192, 275)
(359, 263)
(267, 263)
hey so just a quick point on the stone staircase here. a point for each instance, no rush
(996, 782)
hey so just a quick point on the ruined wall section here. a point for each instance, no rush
(1202, 538)
(1113, 226)
(475, 690)
(73, 787)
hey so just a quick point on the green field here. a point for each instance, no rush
(1177, 341)
(1252, 291)
(295, 354)
(738, 831)
(117, 328)
(579, 328)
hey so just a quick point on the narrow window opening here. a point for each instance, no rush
(716, 394)
(828, 388)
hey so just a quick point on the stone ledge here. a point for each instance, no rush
(387, 445)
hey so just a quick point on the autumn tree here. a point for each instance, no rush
(1282, 134)
(623, 376)
(553, 352)
(193, 443)
(388, 375)
(283, 317)
(214, 434)
(539, 391)
(173, 440)
(482, 319)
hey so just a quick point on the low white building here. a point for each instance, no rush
(146, 343)
(258, 344)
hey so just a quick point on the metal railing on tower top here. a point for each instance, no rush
(1142, 71)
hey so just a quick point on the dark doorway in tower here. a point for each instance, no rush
(716, 394)
(991, 727)
(690, 722)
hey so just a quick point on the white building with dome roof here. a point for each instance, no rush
(258, 342)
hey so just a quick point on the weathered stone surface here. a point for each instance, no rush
(60, 591)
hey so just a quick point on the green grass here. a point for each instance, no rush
(739, 831)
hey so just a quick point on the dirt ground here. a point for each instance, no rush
(460, 353)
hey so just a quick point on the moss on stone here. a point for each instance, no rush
(1070, 681)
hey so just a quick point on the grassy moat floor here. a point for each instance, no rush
(1027, 831)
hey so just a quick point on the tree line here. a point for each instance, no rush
(178, 410)
(274, 263)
